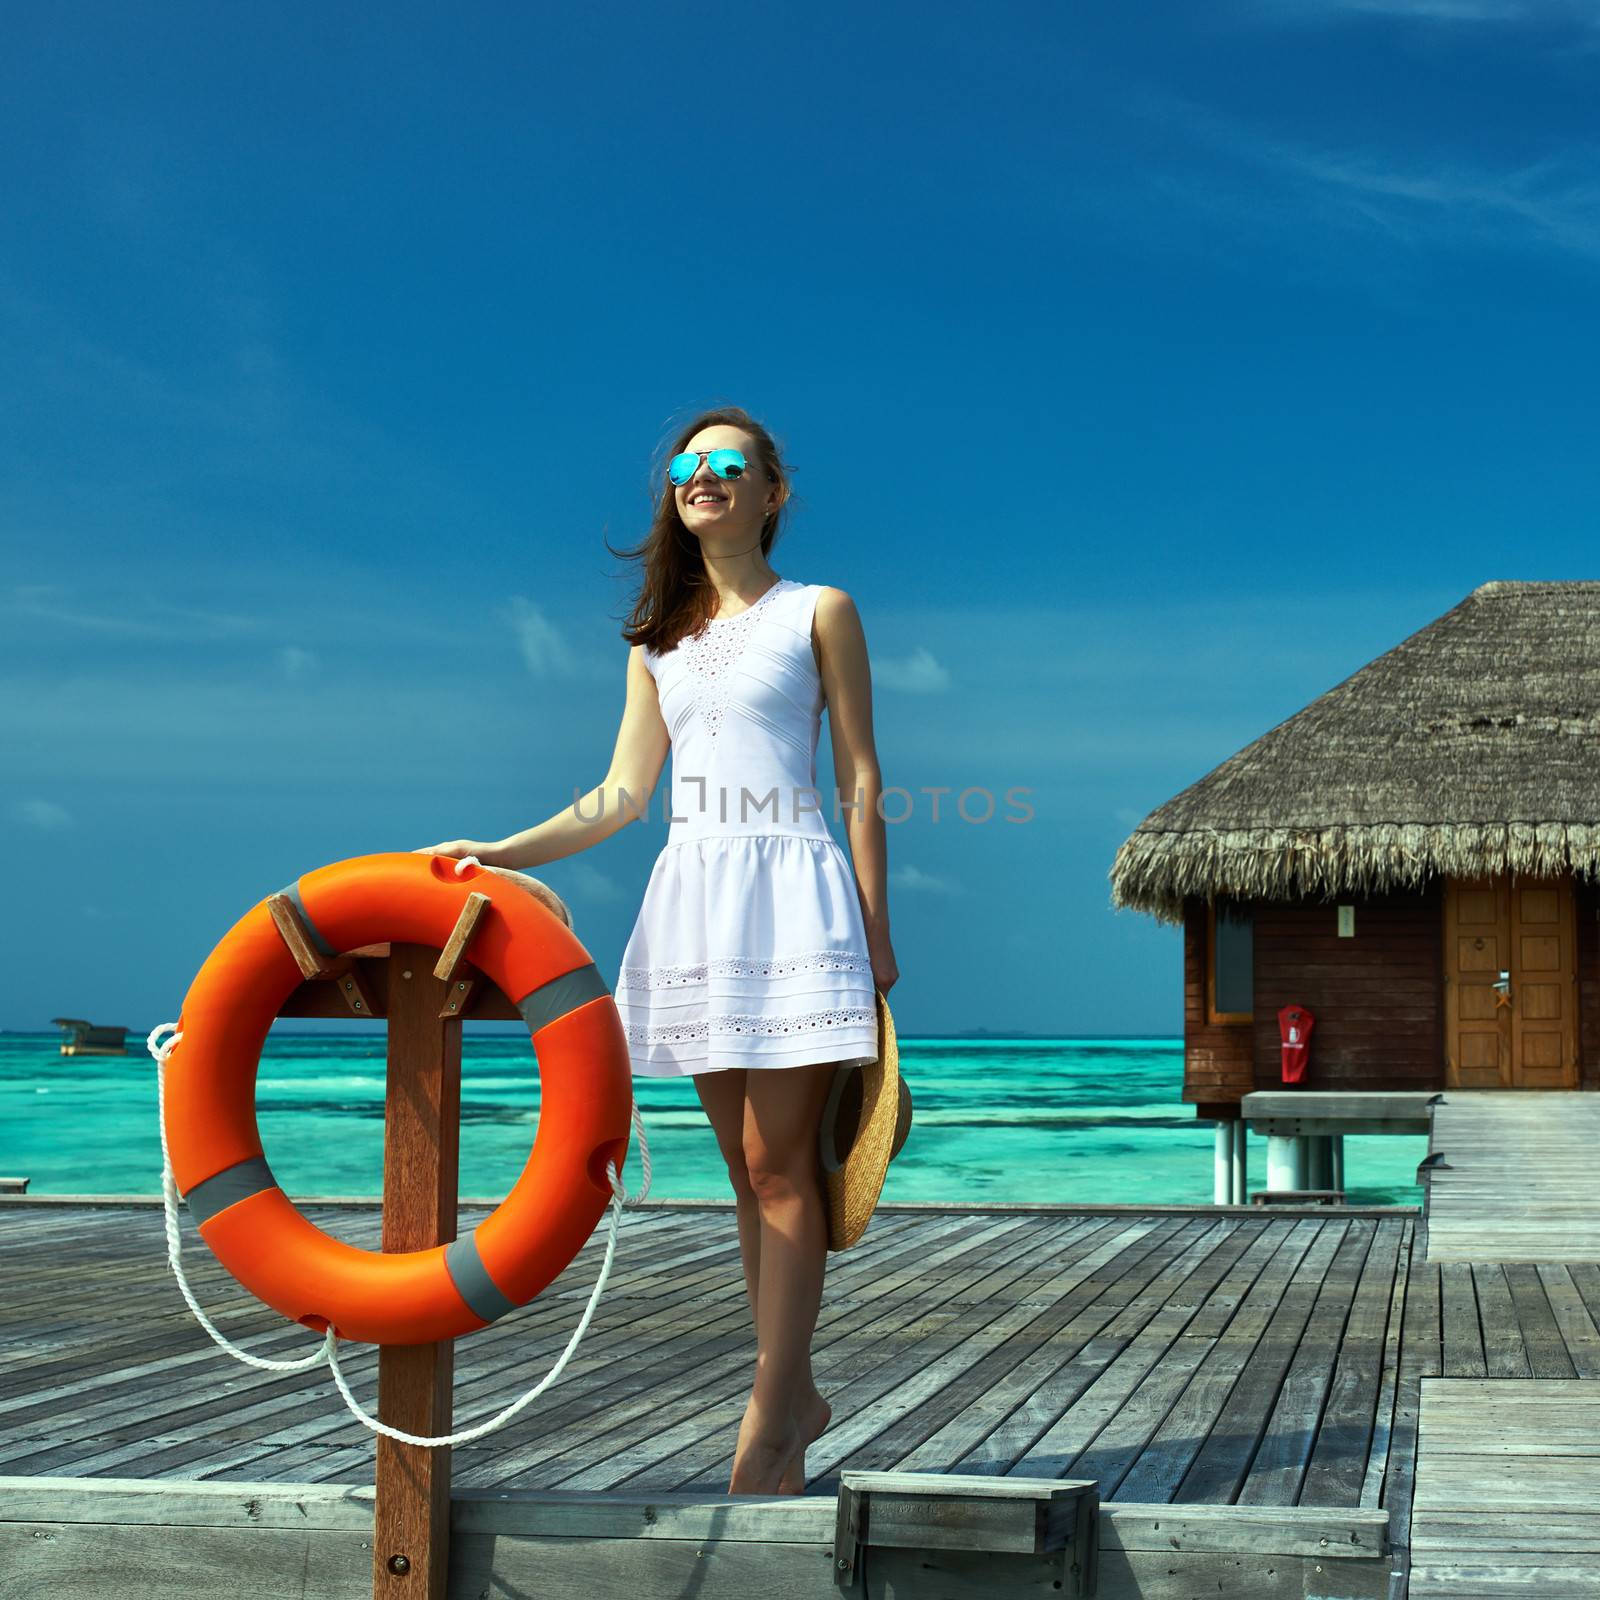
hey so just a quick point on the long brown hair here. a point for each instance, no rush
(676, 595)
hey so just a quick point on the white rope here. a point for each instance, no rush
(328, 1349)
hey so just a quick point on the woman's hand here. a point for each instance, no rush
(458, 848)
(885, 969)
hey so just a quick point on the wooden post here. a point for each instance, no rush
(424, 994)
(421, 1146)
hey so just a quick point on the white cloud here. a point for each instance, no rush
(1578, 12)
(1550, 203)
(915, 881)
(42, 814)
(544, 648)
(1554, 201)
(918, 673)
(296, 664)
(152, 618)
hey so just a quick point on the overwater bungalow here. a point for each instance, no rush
(1411, 859)
(80, 1038)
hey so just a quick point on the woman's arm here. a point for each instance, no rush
(847, 688)
(619, 798)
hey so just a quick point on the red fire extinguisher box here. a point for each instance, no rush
(1294, 1029)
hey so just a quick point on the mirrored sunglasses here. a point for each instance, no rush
(725, 463)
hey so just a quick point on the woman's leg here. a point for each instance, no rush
(783, 1108)
(723, 1094)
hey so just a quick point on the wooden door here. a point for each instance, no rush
(1477, 949)
(1511, 988)
(1544, 985)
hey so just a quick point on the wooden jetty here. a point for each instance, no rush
(1513, 1177)
(1227, 1379)
(1266, 1401)
(1305, 1132)
(1507, 1498)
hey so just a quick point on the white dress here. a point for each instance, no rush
(749, 949)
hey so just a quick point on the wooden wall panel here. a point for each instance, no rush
(1586, 902)
(1376, 997)
(1216, 1056)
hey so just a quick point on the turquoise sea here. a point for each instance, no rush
(1028, 1120)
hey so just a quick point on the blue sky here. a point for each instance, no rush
(1145, 369)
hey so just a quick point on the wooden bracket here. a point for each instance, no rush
(457, 996)
(455, 947)
(310, 960)
(345, 970)
(352, 983)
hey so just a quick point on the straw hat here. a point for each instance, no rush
(864, 1123)
(540, 891)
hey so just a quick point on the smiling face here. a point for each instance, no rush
(727, 511)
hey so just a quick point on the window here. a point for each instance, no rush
(1231, 967)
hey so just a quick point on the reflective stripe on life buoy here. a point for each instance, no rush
(585, 1105)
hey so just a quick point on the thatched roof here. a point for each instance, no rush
(1471, 747)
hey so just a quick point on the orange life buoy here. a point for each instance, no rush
(585, 1105)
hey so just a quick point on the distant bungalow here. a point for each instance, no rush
(80, 1038)
(1412, 857)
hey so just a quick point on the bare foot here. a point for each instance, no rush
(812, 1418)
(759, 1458)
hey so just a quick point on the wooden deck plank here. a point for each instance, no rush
(1547, 1350)
(1507, 1488)
(1048, 1334)
(709, 1314)
(1160, 1468)
(945, 1434)
(912, 1290)
(1281, 1459)
(1137, 1277)
(155, 1395)
(1461, 1320)
(1003, 1423)
(153, 1295)
(1504, 1353)
(1208, 1299)
(296, 1409)
(134, 1377)
(1108, 1366)
(897, 1376)
(1092, 1292)
(1579, 1333)
(1516, 1183)
(1585, 1277)
(1337, 1468)
(1219, 1468)
(1421, 1348)
(1389, 1382)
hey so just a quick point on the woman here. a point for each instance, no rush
(752, 962)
